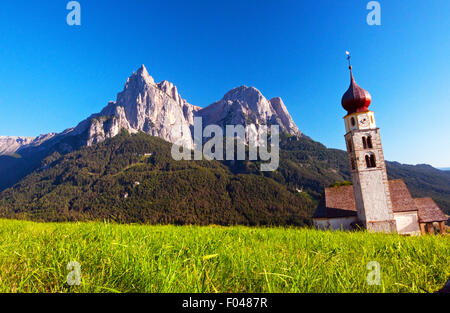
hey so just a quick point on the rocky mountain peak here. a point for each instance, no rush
(243, 93)
(156, 108)
(143, 105)
(170, 89)
(139, 79)
(142, 72)
(247, 105)
(249, 98)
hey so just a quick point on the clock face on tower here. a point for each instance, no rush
(363, 120)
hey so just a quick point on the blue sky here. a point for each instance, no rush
(53, 75)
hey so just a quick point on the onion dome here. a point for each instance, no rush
(355, 99)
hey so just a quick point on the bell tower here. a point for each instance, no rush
(368, 169)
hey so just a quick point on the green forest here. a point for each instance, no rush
(134, 179)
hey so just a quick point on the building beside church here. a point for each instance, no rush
(373, 201)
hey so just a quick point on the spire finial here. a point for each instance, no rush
(355, 98)
(348, 58)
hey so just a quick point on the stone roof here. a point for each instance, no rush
(429, 211)
(400, 197)
(340, 202)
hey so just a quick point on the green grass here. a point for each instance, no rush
(132, 258)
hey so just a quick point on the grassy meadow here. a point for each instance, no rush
(139, 258)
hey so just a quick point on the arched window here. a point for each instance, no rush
(353, 121)
(373, 162)
(368, 160)
(364, 142)
(349, 146)
(353, 164)
(369, 142)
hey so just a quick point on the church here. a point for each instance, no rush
(372, 201)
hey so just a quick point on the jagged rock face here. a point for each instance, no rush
(246, 105)
(156, 108)
(144, 106)
(187, 108)
(285, 118)
(9, 145)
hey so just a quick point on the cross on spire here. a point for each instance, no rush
(348, 58)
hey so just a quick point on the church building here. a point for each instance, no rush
(373, 201)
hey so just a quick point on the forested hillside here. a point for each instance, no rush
(133, 178)
(121, 181)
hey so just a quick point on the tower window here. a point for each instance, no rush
(349, 146)
(371, 161)
(364, 142)
(369, 142)
(367, 161)
(353, 164)
(352, 120)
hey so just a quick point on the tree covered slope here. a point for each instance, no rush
(118, 180)
(133, 178)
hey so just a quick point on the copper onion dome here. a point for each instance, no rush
(355, 99)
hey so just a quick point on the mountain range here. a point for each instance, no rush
(155, 108)
(90, 171)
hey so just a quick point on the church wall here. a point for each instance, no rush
(338, 223)
(358, 197)
(407, 223)
(374, 195)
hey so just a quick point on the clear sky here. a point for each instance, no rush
(53, 75)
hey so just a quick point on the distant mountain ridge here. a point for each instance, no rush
(142, 106)
(154, 108)
(10, 145)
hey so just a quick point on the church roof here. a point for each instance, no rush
(340, 202)
(400, 197)
(429, 211)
